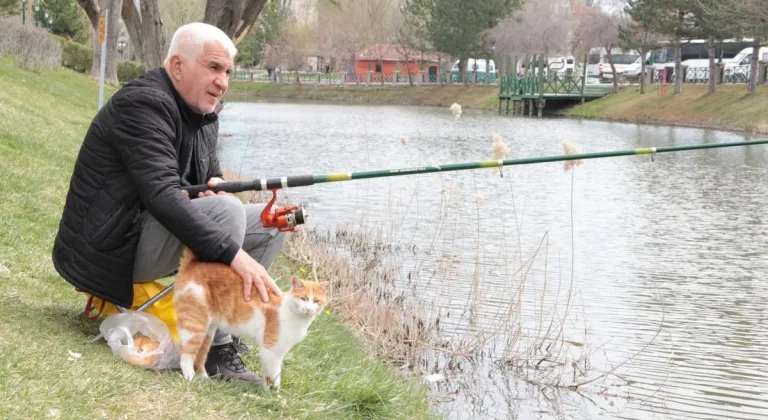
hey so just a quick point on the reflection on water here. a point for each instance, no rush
(648, 268)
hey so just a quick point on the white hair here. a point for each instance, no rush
(189, 39)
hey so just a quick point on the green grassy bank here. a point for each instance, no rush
(478, 97)
(43, 118)
(730, 108)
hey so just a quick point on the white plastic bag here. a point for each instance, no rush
(123, 330)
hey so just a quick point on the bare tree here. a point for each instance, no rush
(346, 29)
(295, 42)
(595, 28)
(537, 28)
(176, 13)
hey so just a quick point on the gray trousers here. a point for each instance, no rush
(158, 252)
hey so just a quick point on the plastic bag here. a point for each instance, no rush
(141, 339)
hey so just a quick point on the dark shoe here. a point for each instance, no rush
(224, 363)
(241, 347)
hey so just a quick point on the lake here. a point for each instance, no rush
(640, 279)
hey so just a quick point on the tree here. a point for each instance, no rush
(234, 17)
(294, 42)
(638, 34)
(594, 27)
(95, 9)
(176, 13)
(742, 18)
(457, 27)
(536, 29)
(252, 48)
(68, 19)
(145, 26)
(679, 18)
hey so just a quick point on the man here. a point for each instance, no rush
(126, 218)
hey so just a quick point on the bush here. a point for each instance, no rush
(129, 70)
(75, 56)
(33, 49)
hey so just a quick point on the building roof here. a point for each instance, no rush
(392, 52)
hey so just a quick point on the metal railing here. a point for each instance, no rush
(366, 78)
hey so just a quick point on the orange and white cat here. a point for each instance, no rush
(209, 297)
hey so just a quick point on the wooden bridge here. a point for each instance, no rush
(536, 90)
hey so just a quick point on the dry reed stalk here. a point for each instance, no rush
(571, 149)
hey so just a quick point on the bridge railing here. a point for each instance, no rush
(516, 85)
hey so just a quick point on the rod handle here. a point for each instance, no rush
(230, 187)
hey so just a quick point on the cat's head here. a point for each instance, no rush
(308, 297)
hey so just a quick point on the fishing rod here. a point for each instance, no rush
(287, 218)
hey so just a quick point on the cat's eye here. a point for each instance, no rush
(304, 298)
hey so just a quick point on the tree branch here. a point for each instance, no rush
(92, 10)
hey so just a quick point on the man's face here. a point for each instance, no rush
(203, 81)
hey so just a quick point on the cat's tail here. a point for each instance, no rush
(187, 258)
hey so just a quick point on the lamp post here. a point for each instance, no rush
(36, 8)
(23, 12)
(121, 48)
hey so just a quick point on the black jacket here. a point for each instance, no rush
(143, 144)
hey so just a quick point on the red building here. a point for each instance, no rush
(390, 58)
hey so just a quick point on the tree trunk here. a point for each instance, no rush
(712, 68)
(753, 67)
(381, 73)
(462, 71)
(113, 30)
(132, 21)
(643, 67)
(613, 68)
(154, 45)
(408, 68)
(678, 66)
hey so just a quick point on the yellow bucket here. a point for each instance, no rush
(142, 292)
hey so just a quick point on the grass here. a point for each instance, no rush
(482, 97)
(729, 108)
(43, 118)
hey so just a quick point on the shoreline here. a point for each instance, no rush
(729, 109)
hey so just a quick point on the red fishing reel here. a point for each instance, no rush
(285, 219)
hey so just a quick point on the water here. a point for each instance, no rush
(653, 268)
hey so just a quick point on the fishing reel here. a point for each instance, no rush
(285, 219)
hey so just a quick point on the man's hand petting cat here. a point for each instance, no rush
(212, 183)
(254, 275)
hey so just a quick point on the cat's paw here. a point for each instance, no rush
(188, 372)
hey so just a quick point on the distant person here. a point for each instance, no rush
(126, 218)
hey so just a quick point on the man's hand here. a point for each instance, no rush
(212, 183)
(253, 274)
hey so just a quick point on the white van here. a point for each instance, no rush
(561, 64)
(598, 65)
(738, 69)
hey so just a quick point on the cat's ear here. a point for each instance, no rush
(296, 283)
(324, 286)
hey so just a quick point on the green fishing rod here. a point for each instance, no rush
(286, 218)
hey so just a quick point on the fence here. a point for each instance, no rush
(367, 78)
(730, 74)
